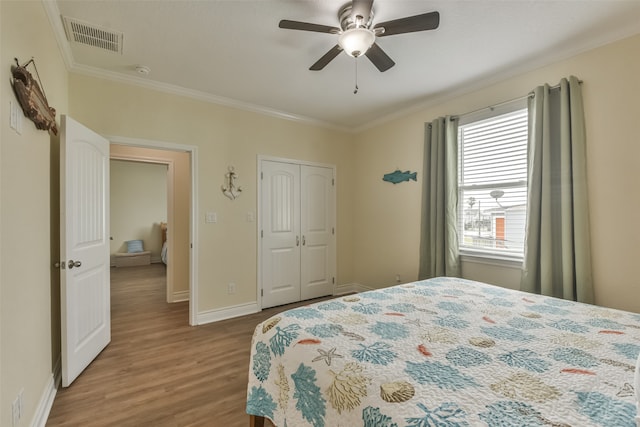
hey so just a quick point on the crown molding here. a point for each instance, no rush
(53, 13)
(512, 72)
(200, 96)
(515, 70)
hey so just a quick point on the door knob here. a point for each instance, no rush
(73, 263)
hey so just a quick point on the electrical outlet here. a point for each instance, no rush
(398, 280)
(231, 288)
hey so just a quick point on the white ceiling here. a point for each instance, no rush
(232, 51)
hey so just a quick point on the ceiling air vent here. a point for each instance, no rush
(92, 35)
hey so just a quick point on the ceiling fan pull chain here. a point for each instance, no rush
(356, 89)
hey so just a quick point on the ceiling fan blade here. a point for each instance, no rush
(379, 58)
(305, 26)
(361, 8)
(410, 24)
(326, 58)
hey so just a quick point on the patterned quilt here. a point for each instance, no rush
(445, 352)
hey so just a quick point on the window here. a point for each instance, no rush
(492, 183)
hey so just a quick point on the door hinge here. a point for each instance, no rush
(261, 292)
(191, 245)
(333, 280)
(333, 230)
(261, 233)
(333, 182)
(261, 175)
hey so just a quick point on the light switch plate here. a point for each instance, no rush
(19, 117)
(13, 115)
(211, 218)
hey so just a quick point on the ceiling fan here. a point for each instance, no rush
(357, 35)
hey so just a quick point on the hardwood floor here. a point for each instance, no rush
(158, 370)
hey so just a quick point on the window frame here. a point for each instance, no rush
(471, 254)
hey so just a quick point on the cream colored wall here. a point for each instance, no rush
(374, 241)
(178, 210)
(29, 296)
(223, 137)
(386, 234)
(138, 204)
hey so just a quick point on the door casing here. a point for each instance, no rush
(193, 226)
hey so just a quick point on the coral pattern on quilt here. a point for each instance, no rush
(449, 353)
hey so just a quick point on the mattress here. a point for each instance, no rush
(445, 352)
(127, 259)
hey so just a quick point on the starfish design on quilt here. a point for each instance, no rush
(327, 355)
(626, 390)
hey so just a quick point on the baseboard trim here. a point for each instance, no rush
(350, 288)
(180, 296)
(219, 314)
(48, 395)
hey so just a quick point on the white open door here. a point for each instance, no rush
(84, 247)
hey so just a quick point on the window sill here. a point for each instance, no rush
(499, 260)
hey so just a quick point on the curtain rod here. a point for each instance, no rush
(553, 87)
(492, 107)
(500, 104)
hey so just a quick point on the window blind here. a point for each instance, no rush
(492, 183)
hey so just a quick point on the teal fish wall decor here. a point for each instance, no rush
(399, 176)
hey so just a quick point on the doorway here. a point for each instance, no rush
(138, 218)
(180, 162)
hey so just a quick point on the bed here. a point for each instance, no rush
(445, 352)
(163, 251)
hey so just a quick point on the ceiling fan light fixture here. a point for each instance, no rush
(357, 33)
(356, 41)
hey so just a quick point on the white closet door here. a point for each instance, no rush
(280, 246)
(317, 223)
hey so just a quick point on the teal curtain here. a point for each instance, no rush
(439, 238)
(557, 255)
